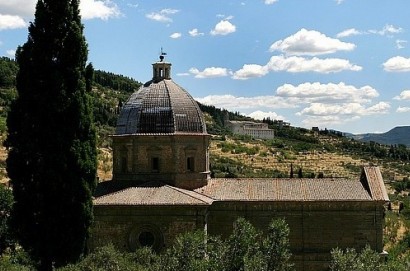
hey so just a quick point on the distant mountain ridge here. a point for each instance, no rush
(397, 135)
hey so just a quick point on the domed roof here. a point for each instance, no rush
(160, 106)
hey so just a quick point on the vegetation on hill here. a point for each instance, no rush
(115, 82)
(8, 71)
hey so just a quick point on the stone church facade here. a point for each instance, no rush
(161, 187)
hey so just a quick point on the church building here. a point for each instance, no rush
(162, 187)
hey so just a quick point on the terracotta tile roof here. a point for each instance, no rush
(258, 189)
(370, 187)
(153, 195)
(373, 181)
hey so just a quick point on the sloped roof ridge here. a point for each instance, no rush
(113, 193)
(375, 183)
(193, 194)
(189, 196)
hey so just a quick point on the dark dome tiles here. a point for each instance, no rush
(188, 117)
(162, 107)
(156, 113)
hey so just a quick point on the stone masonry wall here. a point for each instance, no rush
(120, 225)
(172, 152)
(315, 227)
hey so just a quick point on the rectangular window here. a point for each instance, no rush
(155, 164)
(124, 165)
(190, 164)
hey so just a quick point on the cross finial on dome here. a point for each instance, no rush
(161, 69)
(162, 55)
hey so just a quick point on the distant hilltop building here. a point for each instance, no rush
(162, 187)
(254, 129)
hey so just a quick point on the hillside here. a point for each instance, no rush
(315, 154)
(397, 135)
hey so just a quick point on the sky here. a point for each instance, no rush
(335, 64)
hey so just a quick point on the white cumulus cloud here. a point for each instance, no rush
(327, 120)
(11, 53)
(175, 35)
(388, 29)
(403, 109)
(328, 93)
(260, 115)
(234, 103)
(321, 109)
(11, 22)
(210, 72)
(163, 15)
(349, 109)
(379, 108)
(270, 2)
(99, 9)
(348, 32)
(89, 9)
(310, 42)
(318, 103)
(404, 95)
(21, 8)
(250, 71)
(295, 64)
(224, 27)
(397, 64)
(301, 64)
(195, 33)
(400, 44)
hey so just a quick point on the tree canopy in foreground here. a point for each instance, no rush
(51, 140)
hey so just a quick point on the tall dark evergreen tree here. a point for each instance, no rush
(51, 141)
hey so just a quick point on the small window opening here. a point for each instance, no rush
(190, 164)
(155, 164)
(124, 166)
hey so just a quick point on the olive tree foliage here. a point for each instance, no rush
(365, 260)
(187, 253)
(51, 138)
(243, 245)
(276, 247)
(246, 249)
(105, 258)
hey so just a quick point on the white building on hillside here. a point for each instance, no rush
(253, 129)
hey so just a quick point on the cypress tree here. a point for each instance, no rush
(291, 171)
(52, 140)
